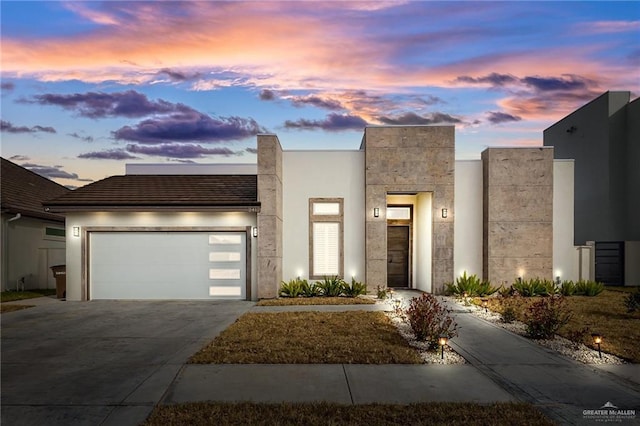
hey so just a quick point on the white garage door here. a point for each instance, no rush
(167, 265)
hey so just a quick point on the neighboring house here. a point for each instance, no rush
(32, 240)
(603, 137)
(398, 212)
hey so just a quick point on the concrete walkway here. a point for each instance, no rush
(502, 367)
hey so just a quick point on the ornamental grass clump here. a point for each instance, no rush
(355, 289)
(546, 316)
(588, 288)
(292, 288)
(429, 320)
(471, 285)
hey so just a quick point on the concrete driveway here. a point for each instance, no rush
(100, 362)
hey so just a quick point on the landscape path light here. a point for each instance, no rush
(597, 339)
(442, 341)
(485, 305)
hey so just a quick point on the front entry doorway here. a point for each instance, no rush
(398, 256)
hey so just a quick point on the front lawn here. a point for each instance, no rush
(289, 301)
(4, 308)
(353, 337)
(311, 414)
(604, 314)
(12, 296)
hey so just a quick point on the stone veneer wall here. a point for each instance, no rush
(409, 160)
(269, 267)
(518, 213)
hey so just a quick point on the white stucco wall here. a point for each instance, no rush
(423, 226)
(28, 253)
(322, 174)
(565, 254)
(147, 219)
(632, 263)
(467, 234)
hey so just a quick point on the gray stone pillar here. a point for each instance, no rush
(518, 214)
(270, 216)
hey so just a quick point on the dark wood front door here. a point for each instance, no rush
(398, 256)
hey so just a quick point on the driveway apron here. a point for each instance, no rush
(100, 362)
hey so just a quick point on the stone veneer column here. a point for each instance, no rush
(270, 216)
(409, 160)
(518, 213)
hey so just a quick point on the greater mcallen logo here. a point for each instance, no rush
(609, 413)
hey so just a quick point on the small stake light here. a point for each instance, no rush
(485, 305)
(442, 341)
(558, 280)
(597, 339)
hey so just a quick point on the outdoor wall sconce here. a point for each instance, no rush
(76, 231)
(254, 231)
(376, 212)
(597, 339)
(444, 213)
(442, 341)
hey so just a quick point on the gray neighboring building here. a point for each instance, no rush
(603, 137)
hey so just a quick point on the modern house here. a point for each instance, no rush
(399, 211)
(32, 240)
(603, 137)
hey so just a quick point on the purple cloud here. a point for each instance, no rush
(411, 118)
(82, 138)
(129, 104)
(267, 95)
(19, 158)
(566, 83)
(497, 117)
(333, 123)
(180, 150)
(315, 101)
(7, 86)
(179, 76)
(6, 126)
(111, 154)
(187, 126)
(51, 172)
(494, 79)
(252, 150)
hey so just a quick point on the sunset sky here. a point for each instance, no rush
(90, 86)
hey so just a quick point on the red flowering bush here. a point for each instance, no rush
(430, 320)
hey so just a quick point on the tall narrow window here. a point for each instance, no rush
(326, 219)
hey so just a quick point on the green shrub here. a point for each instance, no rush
(588, 288)
(567, 288)
(534, 287)
(382, 293)
(632, 301)
(355, 289)
(331, 286)
(310, 290)
(292, 288)
(472, 285)
(546, 316)
(509, 309)
(429, 320)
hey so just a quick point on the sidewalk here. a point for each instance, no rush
(502, 367)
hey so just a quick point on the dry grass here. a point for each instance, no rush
(604, 314)
(354, 337)
(4, 308)
(12, 296)
(436, 413)
(316, 301)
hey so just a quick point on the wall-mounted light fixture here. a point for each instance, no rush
(254, 231)
(445, 213)
(76, 231)
(571, 130)
(376, 212)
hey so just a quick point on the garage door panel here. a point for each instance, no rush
(163, 265)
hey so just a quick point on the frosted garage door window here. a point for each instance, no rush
(225, 239)
(225, 256)
(326, 248)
